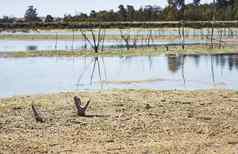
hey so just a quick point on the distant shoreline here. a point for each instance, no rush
(86, 25)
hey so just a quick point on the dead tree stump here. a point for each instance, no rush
(81, 111)
(36, 114)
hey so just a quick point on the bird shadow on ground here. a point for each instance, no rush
(93, 116)
(96, 116)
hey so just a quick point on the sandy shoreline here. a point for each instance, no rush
(123, 121)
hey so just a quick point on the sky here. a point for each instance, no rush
(58, 8)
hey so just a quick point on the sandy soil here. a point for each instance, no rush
(127, 121)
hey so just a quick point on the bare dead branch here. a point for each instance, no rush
(81, 111)
(135, 39)
(86, 38)
(97, 39)
(149, 38)
(126, 38)
(36, 114)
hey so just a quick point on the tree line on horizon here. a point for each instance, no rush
(176, 10)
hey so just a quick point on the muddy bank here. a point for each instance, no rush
(127, 121)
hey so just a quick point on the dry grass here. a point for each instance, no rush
(126, 121)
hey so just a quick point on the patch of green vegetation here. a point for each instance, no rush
(206, 50)
(122, 52)
(132, 52)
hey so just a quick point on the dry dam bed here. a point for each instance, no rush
(125, 121)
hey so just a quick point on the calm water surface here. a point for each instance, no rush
(154, 32)
(42, 75)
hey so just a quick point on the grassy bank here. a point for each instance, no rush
(125, 121)
(132, 52)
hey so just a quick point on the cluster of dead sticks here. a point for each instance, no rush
(81, 110)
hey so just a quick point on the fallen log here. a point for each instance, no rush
(81, 111)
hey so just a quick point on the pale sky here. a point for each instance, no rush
(60, 7)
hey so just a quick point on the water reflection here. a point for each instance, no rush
(176, 61)
(140, 32)
(43, 75)
(31, 48)
(97, 66)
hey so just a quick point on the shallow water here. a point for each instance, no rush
(25, 76)
(154, 32)
(51, 45)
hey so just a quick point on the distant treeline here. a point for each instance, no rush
(176, 10)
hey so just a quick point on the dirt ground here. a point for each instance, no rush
(126, 121)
